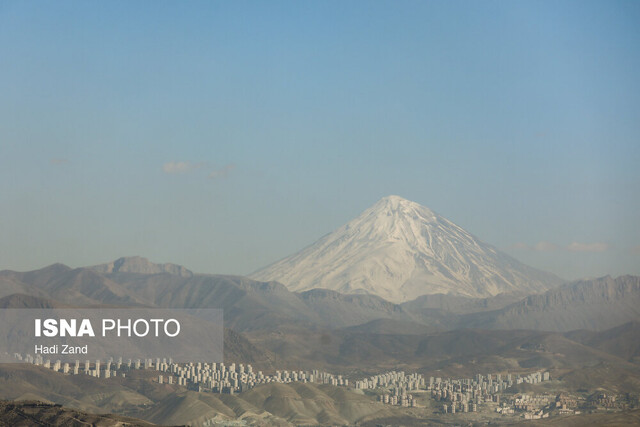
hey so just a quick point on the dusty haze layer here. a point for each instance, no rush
(399, 250)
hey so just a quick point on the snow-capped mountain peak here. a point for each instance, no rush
(399, 250)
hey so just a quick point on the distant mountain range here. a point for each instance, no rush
(247, 304)
(400, 250)
(585, 304)
(252, 305)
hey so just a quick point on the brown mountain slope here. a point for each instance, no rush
(29, 413)
(81, 392)
(140, 396)
(270, 404)
(622, 341)
(29, 301)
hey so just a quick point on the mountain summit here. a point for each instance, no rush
(140, 265)
(399, 250)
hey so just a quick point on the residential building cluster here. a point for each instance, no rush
(464, 395)
(220, 378)
(531, 406)
(396, 385)
(215, 377)
(605, 401)
(393, 387)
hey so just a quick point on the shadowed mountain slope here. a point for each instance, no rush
(622, 341)
(586, 304)
(249, 304)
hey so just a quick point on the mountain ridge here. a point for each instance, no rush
(584, 304)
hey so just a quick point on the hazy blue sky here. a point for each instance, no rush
(226, 135)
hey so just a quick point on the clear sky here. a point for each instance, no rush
(226, 135)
